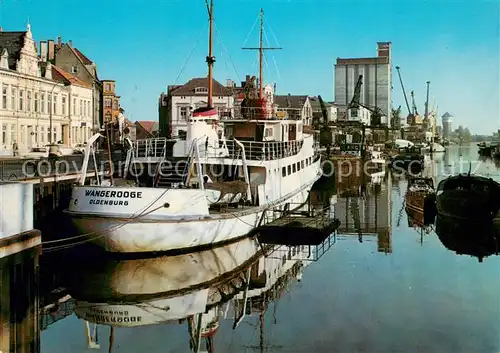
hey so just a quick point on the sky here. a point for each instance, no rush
(147, 45)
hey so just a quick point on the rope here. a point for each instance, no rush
(251, 30)
(219, 40)
(189, 56)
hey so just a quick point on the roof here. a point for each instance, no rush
(149, 126)
(188, 89)
(60, 75)
(363, 61)
(289, 101)
(82, 57)
(447, 115)
(13, 42)
(315, 105)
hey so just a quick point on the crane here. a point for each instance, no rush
(325, 133)
(410, 114)
(377, 113)
(414, 105)
(426, 114)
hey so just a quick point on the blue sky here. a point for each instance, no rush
(144, 45)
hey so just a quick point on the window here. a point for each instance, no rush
(81, 107)
(74, 69)
(49, 103)
(115, 104)
(294, 168)
(63, 103)
(36, 102)
(4, 97)
(183, 113)
(354, 113)
(84, 108)
(289, 169)
(302, 164)
(42, 102)
(54, 105)
(108, 87)
(21, 102)
(307, 162)
(42, 134)
(4, 133)
(201, 90)
(298, 166)
(269, 132)
(48, 134)
(107, 103)
(74, 106)
(283, 171)
(13, 98)
(28, 101)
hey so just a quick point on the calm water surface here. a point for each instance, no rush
(380, 284)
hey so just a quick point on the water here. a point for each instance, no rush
(378, 285)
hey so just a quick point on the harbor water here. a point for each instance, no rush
(381, 283)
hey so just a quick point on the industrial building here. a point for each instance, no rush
(376, 90)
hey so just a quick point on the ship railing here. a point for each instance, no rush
(264, 113)
(151, 148)
(262, 151)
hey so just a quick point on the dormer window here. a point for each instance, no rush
(201, 90)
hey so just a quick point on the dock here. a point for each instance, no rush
(299, 227)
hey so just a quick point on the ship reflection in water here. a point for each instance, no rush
(197, 290)
(465, 237)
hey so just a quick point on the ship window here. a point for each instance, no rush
(298, 165)
(289, 168)
(283, 171)
(302, 164)
(294, 168)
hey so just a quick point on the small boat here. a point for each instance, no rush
(408, 158)
(466, 196)
(486, 149)
(420, 199)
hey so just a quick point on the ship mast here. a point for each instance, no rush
(210, 58)
(261, 54)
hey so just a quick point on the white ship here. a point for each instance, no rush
(268, 163)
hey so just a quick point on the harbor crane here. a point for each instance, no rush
(411, 116)
(376, 112)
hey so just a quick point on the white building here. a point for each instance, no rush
(297, 107)
(359, 114)
(331, 109)
(376, 90)
(32, 96)
(183, 99)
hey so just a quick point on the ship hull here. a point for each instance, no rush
(157, 233)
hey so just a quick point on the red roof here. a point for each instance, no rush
(148, 125)
(82, 57)
(60, 75)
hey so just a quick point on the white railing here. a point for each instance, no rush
(263, 151)
(152, 148)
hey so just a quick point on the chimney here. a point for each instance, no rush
(59, 41)
(43, 50)
(48, 71)
(50, 50)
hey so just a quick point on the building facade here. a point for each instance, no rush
(376, 90)
(295, 106)
(73, 61)
(176, 105)
(447, 120)
(111, 101)
(331, 110)
(36, 96)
